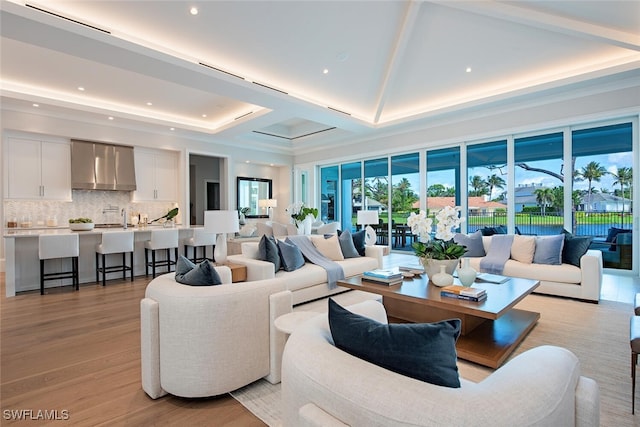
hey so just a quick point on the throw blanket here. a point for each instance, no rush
(498, 254)
(311, 253)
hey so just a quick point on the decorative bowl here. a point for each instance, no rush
(81, 226)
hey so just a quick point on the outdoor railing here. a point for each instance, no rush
(596, 224)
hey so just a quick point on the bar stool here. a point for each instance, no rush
(114, 242)
(166, 239)
(200, 239)
(56, 246)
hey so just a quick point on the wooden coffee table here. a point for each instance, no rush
(491, 329)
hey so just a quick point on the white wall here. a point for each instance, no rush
(102, 130)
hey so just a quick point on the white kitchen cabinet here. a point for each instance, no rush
(37, 169)
(156, 175)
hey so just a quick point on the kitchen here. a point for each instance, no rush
(73, 179)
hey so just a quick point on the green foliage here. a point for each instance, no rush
(80, 220)
(438, 249)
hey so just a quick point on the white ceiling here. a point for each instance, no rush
(391, 64)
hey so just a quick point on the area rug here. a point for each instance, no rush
(597, 333)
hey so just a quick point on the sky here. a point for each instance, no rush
(610, 161)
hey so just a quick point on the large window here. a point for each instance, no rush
(539, 179)
(487, 185)
(351, 190)
(576, 179)
(329, 194)
(602, 189)
(405, 197)
(443, 178)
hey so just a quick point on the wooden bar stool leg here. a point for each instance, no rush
(41, 277)
(153, 263)
(146, 262)
(76, 273)
(124, 266)
(131, 263)
(104, 270)
(97, 268)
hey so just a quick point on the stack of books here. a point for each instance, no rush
(463, 292)
(383, 276)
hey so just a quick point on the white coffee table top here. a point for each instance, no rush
(288, 322)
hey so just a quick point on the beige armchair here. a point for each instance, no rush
(199, 341)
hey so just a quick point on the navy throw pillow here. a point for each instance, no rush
(202, 274)
(424, 351)
(574, 248)
(358, 241)
(290, 255)
(473, 243)
(347, 246)
(268, 251)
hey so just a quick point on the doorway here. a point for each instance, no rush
(205, 192)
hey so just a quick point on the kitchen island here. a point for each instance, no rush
(22, 261)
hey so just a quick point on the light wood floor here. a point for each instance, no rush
(80, 352)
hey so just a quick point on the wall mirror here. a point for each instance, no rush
(249, 191)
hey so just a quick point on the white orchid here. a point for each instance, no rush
(443, 246)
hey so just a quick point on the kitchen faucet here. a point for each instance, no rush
(124, 216)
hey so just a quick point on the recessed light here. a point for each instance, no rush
(247, 161)
(149, 103)
(172, 128)
(204, 115)
(110, 118)
(468, 70)
(80, 88)
(36, 105)
(193, 11)
(325, 71)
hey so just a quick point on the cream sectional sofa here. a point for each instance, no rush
(309, 282)
(564, 280)
(325, 386)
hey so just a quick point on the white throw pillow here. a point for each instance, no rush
(328, 247)
(523, 248)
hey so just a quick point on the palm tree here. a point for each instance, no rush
(479, 186)
(544, 197)
(623, 177)
(593, 171)
(495, 181)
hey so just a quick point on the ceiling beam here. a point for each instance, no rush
(400, 47)
(547, 21)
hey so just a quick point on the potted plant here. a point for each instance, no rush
(441, 249)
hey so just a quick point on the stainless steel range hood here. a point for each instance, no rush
(98, 166)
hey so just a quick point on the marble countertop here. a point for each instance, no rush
(34, 232)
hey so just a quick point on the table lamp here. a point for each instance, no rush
(367, 218)
(263, 204)
(221, 223)
(271, 203)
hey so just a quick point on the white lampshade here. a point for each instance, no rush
(367, 217)
(272, 203)
(263, 203)
(221, 223)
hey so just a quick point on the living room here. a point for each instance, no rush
(527, 71)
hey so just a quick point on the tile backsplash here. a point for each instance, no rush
(100, 206)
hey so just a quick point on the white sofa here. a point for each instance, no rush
(199, 341)
(325, 386)
(564, 280)
(309, 282)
